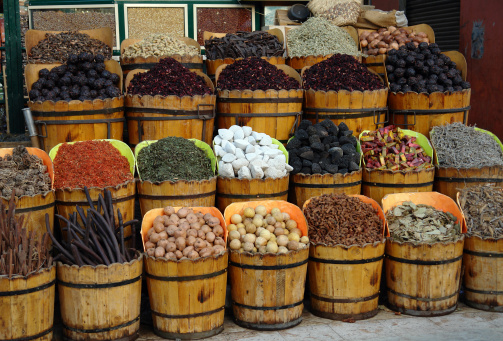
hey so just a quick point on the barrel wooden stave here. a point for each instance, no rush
(305, 186)
(213, 64)
(201, 301)
(115, 306)
(423, 290)
(179, 193)
(483, 273)
(355, 286)
(253, 289)
(230, 190)
(376, 63)
(298, 63)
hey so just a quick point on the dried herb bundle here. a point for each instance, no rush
(460, 146)
(98, 242)
(421, 224)
(173, 158)
(243, 45)
(483, 210)
(341, 219)
(21, 252)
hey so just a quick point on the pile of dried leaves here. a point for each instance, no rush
(483, 210)
(341, 219)
(421, 224)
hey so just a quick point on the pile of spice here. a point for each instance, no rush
(172, 159)
(186, 233)
(460, 146)
(168, 78)
(57, 47)
(23, 174)
(318, 37)
(255, 74)
(483, 210)
(265, 231)
(389, 148)
(221, 19)
(385, 39)
(421, 224)
(341, 72)
(90, 164)
(422, 69)
(159, 45)
(323, 148)
(243, 45)
(83, 77)
(340, 219)
(246, 154)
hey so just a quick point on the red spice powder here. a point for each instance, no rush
(91, 164)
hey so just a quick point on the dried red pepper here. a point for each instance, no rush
(91, 164)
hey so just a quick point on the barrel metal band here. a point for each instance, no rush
(252, 196)
(104, 111)
(186, 278)
(484, 292)
(35, 208)
(211, 312)
(293, 305)
(346, 261)
(422, 184)
(176, 197)
(420, 112)
(86, 203)
(101, 330)
(99, 286)
(440, 178)
(267, 267)
(27, 291)
(304, 185)
(424, 262)
(423, 299)
(32, 337)
(374, 64)
(358, 113)
(270, 114)
(260, 100)
(344, 300)
(483, 254)
(148, 66)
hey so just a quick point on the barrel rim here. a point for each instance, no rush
(24, 196)
(403, 171)
(189, 182)
(74, 101)
(31, 274)
(482, 238)
(141, 97)
(445, 93)
(347, 248)
(221, 178)
(249, 254)
(328, 175)
(443, 168)
(383, 91)
(117, 187)
(390, 241)
(220, 60)
(187, 260)
(138, 254)
(157, 59)
(299, 93)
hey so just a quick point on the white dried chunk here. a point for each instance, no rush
(219, 151)
(244, 173)
(276, 163)
(274, 173)
(226, 171)
(240, 154)
(225, 134)
(240, 143)
(217, 140)
(288, 168)
(273, 146)
(250, 149)
(259, 163)
(238, 163)
(228, 157)
(230, 148)
(251, 156)
(239, 134)
(234, 128)
(252, 140)
(247, 131)
(256, 172)
(266, 140)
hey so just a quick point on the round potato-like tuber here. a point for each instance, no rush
(171, 239)
(271, 228)
(293, 245)
(158, 220)
(179, 232)
(163, 235)
(187, 250)
(178, 254)
(248, 247)
(190, 240)
(218, 231)
(154, 237)
(213, 221)
(234, 235)
(201, 234)
(159, 227)
(180, 243)
(260, 241)
(219, 241)
(261, 209)
(199, 244)
(279, 231)
(249, 238)
(282, 250)
(210, 237)
(162, 243)
(191, 218)
(235, 244)
(271, 247)
(191, 232)
(170, 255)
(151, 252)
(282, 240)
(182, 212)
(217, 249)
(168, 210)
(236, 219)
(207, 251)
(205, 229)
(159, 251)
(170, 247)
(304, 240)
(294, 237)
(149, 245)
(262, 249)
(192, 255)
(171, 230)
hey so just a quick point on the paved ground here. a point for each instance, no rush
(464, 324)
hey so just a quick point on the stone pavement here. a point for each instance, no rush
(464, 324)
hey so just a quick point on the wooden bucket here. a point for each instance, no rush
(187, 297)
(212, 65)
(193, 63)
(156, 117)
(421, 112)
(27, 306)
(62, 121)
(376, 184)
(424, 279)
(123, 195)
(344, 281)
(181, 193)
(101, 302)
(449, 180)
(274, 112)
(268, 289)
(34, 207)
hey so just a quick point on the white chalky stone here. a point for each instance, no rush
(266, 140)
(259, 163)
(228, 157)
(239, 134)
(256, 172)
(273, 146)
(225, 134)
(244, 173)
(242, 144)
(278, 164)
(288, 168)
(247, 130)
(217, 140)
(273, 173)
(250, 149)
(226, 171)
(252, 140)
(219, 151)
(272, 152)
(234, 128)
(230, 148)
(250, 156)
(266, 158)
(281, 157)
(238, 163)
(256, 135)
(240, 154)
(220, 164)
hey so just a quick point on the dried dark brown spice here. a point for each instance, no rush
(243, 45)
(340, 219)
(229, 20)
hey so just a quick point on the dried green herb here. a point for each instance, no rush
(172, 159)
(483, 210)
(421, 224)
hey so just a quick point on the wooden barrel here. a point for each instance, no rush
(34, 207)
(344, 281)
(62, 121)
(483, 275)
(267, 290)
(424, 279)
(102, 302)
(27, 306)
(187, 297)
(156, 117)
(305, 186)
